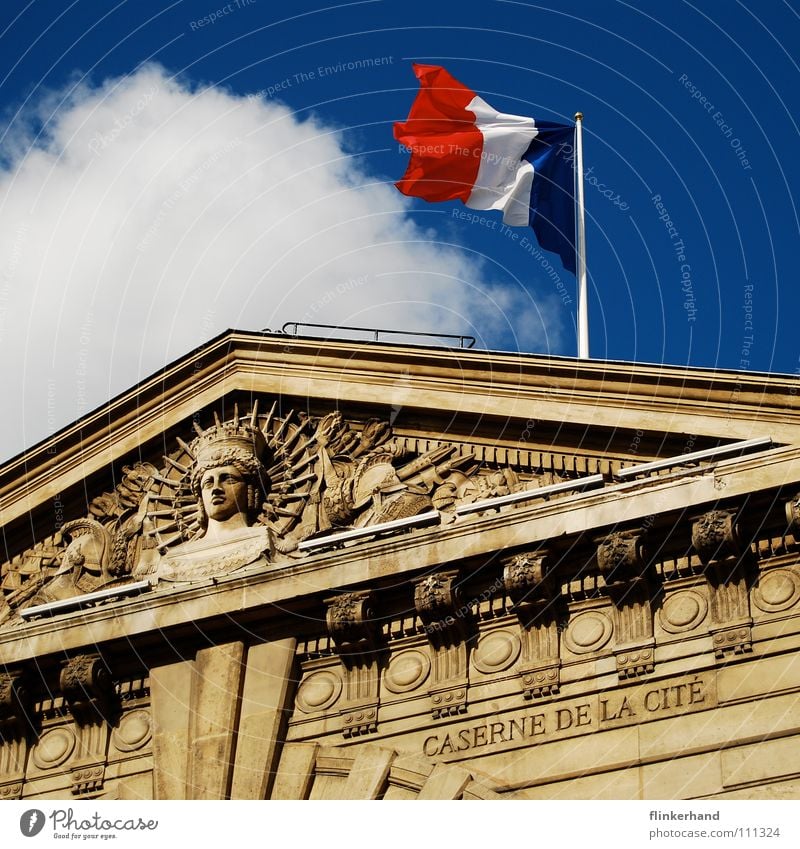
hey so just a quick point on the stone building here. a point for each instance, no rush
(284, 568)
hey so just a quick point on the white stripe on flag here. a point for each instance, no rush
(504, 179)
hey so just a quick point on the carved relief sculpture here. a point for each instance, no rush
(244, 493)
(227, 485)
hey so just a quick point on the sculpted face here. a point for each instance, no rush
(224, 493)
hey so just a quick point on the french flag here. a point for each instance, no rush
(463, 149)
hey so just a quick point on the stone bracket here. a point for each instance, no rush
(13, 752)
(11, 789)
(352, 627)
(359, 719)
(623, 562)
(449, 701)
(541, 680)
(350, 622)
(621, 557)
(732, 639)
(88, 779)
(90, 695)
(527, 578)
(438, 604)
(793, 516)
(15, 720)
(634, 660)
(15, 704)
(88, 690)
(88, 768)
(715, 535)
(535, 596)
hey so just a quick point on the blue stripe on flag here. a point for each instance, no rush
(552, 210)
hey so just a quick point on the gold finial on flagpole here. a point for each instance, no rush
(579, 116)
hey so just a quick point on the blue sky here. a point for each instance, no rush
(690, 147)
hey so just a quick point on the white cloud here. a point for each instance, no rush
(147, 217)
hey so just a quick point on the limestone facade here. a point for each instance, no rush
(294, 569)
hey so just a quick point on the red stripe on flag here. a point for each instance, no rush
(445, 144)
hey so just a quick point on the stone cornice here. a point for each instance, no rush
(601, 394)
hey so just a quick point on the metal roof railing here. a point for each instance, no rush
(464, 341)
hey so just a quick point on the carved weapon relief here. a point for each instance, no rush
(84, 555)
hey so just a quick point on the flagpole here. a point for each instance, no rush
(583, 308)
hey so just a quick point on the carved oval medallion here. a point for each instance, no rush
(588, 632)
(777, 590)
(53, 748)
(133, 731)
(319, 691)
(682, 611)
(496, 651)
(406, 671)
